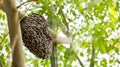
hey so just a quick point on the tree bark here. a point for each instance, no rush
(1, 65)
(14, 29)
(54, 56)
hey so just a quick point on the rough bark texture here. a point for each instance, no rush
(14, 29)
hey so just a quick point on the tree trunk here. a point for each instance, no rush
(14, 32)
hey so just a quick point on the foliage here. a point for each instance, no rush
(91, 23)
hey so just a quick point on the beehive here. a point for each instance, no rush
(36, 36)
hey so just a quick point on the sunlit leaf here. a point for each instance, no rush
(81, 54)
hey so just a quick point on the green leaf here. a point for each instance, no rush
(89, 51)
(81, 54)
(104, 62)
(1, 47)
(111, 61)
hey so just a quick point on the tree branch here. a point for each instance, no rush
(1, 5)
(3, 38)
(54, 56)
(59, 39)
(13, 47)
(117, 61)
(80, 62)
(64, 19)
(1, 65)
(26, 2)
(14, 28)
(93, 57)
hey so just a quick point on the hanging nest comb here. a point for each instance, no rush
(36, 36)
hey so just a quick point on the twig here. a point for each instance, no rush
(3, 39)
(64, 19)
(93, 57)
(21, 15)
(118, 61)
(25, 3)
(80, 62)
(22, 4)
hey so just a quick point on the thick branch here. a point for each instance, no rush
(14, 29)
(1, 5)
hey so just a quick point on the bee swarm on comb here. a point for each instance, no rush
(36, 36)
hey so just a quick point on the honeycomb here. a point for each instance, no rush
(36, 36)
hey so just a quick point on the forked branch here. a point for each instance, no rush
(14, 29)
